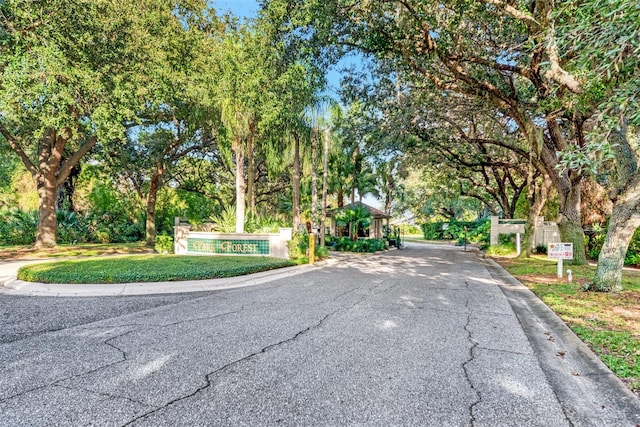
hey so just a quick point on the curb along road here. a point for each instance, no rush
(585, 386)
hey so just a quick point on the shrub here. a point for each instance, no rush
(502, 249)
(18, 227)
(540, 249)
(476, 231)
(321, 252)
(362, 245)
(298, 245)
(164, 244)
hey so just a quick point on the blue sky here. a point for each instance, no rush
(240, 8)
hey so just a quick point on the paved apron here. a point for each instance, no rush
(423, 336)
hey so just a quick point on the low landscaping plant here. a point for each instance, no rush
(164, 244)
(147, 268)
(345, 244)
(299, 249)
(501, 249)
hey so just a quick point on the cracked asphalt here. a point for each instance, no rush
(429, 336)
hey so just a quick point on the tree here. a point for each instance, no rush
(355, 217)
(596, 39)
(148, 159)
(73, 73)
(484, 50)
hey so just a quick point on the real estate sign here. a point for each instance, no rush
(560, 250)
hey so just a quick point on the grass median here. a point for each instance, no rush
(609, 323)
(147, 268)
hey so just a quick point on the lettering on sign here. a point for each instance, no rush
(228, 247)
(560, 250)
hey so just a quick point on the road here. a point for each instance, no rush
(429, 336)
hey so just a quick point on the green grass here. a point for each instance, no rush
(609, 323)
(79, 250)
(147, 268)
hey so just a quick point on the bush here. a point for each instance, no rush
(476, 232)
(345, 244)
(502, 249)
(18, 227)
(595, 240)
(540, 250)
(321, 252)
(298, 245)
(164, 244)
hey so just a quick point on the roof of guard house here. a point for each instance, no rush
(376, 213)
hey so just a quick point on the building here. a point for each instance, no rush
(374, 230)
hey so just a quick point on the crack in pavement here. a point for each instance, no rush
(109, 395)
(474, 345)
(209, 381)
(71, 377)
(197, 319)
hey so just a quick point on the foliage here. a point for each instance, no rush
(299, 248)
(476, 231)
(147, 268)
(263, 224)
(321, 252)
(540, 250)
(410, 229)
(596, 237)
(502, 249)
(17, 227)
(84, 76)
(226, 221)
(354, 218)
(345, 244)
(298, 245)
(164, 244)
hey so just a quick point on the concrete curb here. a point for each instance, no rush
(572, 369)
(14, 286)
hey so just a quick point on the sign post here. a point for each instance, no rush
(560, 251)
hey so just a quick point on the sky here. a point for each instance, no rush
(240, 8)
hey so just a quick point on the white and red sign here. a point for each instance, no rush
(560, 250)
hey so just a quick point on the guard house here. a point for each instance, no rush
(374, 230)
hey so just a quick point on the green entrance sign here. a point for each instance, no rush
(227, 246)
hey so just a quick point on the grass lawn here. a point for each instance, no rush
(63, 251)
(147, 268)
(609, 323)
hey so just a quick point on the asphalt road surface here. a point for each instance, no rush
(429, 336)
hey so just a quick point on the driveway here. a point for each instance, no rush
(429, 335)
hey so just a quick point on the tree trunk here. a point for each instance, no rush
(48, 174)
(570, 224)
(50, 156)
(356, 172)
(538, 195)
(314, 179)
(625, 216)
(240, 189)
(625, 219)
(152, 198)
(47, 220)
(325, 178)
(340, 197)
(296, 183)
(251, 171)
